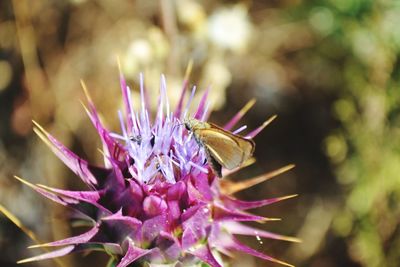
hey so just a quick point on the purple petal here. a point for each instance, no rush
(156, 255)
(223, 214)
(66, 200)
(259, 129)
(119, 181)
(219, 238)
(194, 195)
(230, 202)
(127, 103)
(185, 86)
(132, 222)
(160, 104)
(195, 228)
(87, 196)
(174, 210)
(169, 245)
(46, 193)
(202, 185)
(154, 205)
(188, 213)
(80, 239)
(102, 175)
(54, 254)
(204, 253)
(201, 108)
(130, 199)
(190, 238)
(75, 163)
(84, 211)
(240, 229)
(176, 191)
(122, 227)
(186, 110)
(237, 246)
(151, 228)
(132, 255)
(239, 115)
(144, 99)
(110, 146)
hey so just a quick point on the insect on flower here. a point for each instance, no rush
(157, 200)
(222, 148)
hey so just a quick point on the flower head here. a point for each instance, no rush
(156, 200)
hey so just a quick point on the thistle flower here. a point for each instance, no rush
(156, 200)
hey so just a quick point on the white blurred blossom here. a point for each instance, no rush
(192, 14)
(230, 28)
(138, 54)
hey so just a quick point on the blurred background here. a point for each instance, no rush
(329, 69)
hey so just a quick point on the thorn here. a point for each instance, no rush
(260, 128)
(24, 181)
(39, 245)
(247, 107)
(85, 90)
(101, 152)
(229, 187)
(43, 135)
(286, 197)
(119, 64)
(39, 126)
(273, 117)
(188, 70)
(266, 219)
(18, 223)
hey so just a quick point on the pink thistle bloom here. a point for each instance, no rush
(156, 200)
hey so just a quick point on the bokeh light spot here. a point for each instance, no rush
(5, 74)
(336, 148)
(322, 20)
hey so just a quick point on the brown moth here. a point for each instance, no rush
(223, 148)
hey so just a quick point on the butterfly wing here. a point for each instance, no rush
(227, 149)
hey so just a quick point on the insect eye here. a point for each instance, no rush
(187, 126)
(137, 139)
(152, 141)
